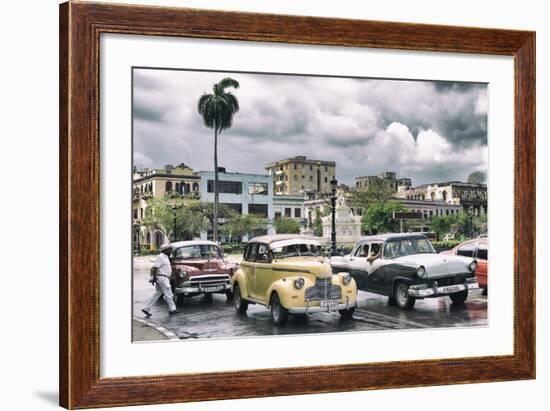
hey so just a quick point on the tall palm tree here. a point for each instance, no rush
(217, 110)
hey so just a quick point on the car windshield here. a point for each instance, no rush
(296, 250)
(197, 251)
(400, 248)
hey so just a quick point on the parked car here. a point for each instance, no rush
(198, 267)
(478, 249)
(289, 275)
(405, 267)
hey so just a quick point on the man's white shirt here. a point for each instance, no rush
(163, 264)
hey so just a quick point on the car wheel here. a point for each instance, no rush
(402, 298)
(459, 298)
(347, 313)
(240, 305)
(229, 295)
(178, 299)
(279, 314)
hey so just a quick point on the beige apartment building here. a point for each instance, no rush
(300, 175)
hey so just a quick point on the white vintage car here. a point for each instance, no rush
(405, 267)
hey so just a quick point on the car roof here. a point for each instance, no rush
(269, 239)
(394, 236)
(179, 244)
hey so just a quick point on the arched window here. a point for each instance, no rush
(168, 186)
(177, 187)
(432, 196)
(195, 187)
(187, 188)
(444, 195)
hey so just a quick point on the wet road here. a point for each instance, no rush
(215, 317)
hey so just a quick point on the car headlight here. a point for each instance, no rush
(473, 266)
(299, 282)
(182, 274)
(346, 278)
(421, 272)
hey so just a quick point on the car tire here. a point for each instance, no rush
(401, 296)
(279, 314)
(229, 295)
(459, 298)
(240, 305)
(178, 299)
(347, 313)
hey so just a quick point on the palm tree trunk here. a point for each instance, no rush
(216, 193)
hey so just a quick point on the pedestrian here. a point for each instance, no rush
(160, 277)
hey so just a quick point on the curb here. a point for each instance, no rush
(167, 333)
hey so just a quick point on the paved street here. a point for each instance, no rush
(202, 317)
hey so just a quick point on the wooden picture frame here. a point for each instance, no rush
(80, 27)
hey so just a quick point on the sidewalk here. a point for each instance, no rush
(143, 332)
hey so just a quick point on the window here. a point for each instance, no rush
(295, 166)
(259, 210)
(288, 212)
(482, 251)
(310, 167)
(197, 251)
(262, 255)
(237, 207)
(295, 177)
(298, 212)
(195, 187)
(362, 251)
(326, 179)
(226, 187)
(250, 252)
(467, 250)
(258, 189)
(277, 215)
(326, 168)
(168, 186)
(135, 213)
(311, 178)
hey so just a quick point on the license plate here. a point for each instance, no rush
(212, 289)
(329, 303)
(451, 289)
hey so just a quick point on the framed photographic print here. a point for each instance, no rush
(256, 205)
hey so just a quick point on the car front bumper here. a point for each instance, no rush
(307, 309)
(203, 288)
(424, 291)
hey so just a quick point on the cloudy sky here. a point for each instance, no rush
(429, 131)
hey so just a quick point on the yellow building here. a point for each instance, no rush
(149, 183)
(300, 175)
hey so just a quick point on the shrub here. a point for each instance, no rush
(444, 245)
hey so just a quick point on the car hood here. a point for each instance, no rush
(437, 265)
(317, 266)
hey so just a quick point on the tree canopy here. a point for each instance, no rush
(378, 217)
(477, 177)
(286, 226)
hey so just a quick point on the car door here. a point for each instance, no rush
(262, 273)
(247, 265)
(358, 264)
(377, 276)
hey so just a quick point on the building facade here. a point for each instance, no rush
(388, 177)
(244, 193)
(180, 180)
(300, 175)
(289, 206)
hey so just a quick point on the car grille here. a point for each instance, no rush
(446, 281)
(323, 289)
(208, 280)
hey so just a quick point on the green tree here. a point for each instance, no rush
(217, 110)
(378, 191)
(477, 177)
(189, 220)
(243, 225)
(318, 224)
(378, 218)
(286, 226)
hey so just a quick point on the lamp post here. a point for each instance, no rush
(333, 186)
(470, 216)
(174, 237)
(138, 245)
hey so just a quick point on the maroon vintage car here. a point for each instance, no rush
(198, 267)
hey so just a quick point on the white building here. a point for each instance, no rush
(290, 206)
(244, 193)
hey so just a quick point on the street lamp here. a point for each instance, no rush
(333, 186)
(138, 245)
(470, 216)
(174, 208)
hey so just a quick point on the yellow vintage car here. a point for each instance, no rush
(289, 275)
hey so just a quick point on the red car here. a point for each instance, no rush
(476, 248)
(198, 267)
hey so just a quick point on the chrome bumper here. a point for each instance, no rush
(422, 292)
(201, 290)
(318, 309)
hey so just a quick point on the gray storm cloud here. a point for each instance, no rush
(429, 131)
